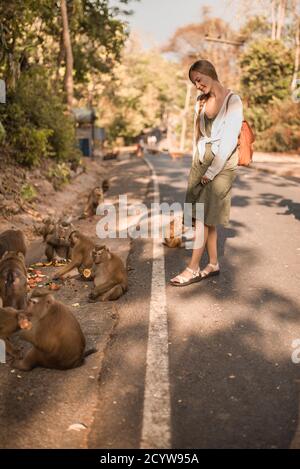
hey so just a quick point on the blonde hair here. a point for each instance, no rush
(206, 68)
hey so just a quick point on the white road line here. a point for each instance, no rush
(156, 430)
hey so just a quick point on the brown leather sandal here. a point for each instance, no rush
(184, 281)
(205, 274)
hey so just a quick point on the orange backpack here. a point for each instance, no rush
(245, 142)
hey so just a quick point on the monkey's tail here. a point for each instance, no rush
(90, 351)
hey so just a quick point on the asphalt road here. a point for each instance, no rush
(231, 377)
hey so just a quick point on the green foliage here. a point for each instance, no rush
(283, 131)
(98, 37)
(28, 192)
(60, 174)
(2, 133)
(35, 120)
(146, 87)
(29, 145)
(267, 68)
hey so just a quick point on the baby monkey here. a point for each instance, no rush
(109, 275)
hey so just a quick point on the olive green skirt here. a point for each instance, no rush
(216, 194)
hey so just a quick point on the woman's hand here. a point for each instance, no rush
(205, 180)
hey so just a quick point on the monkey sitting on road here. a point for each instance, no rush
(173, 241)
(57, 339)
(12, 240)
(109, 275)
(57, 242)
(81, 256)
(11, 321)
(13, 280)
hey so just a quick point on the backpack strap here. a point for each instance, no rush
(230, 94)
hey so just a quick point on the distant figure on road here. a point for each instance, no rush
(218, 122)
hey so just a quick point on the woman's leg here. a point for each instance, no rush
(212, 244)
(212, 248)
(196, 254)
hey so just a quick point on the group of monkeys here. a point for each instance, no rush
(53, 331)
(94, 262)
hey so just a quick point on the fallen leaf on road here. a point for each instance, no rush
(54, 286)
(77, 427)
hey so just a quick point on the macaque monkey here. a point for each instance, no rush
(109, 275)
(81, 256)
(95, 198)
(11, 321)
(57, 242)
(55, 334)
(12, 240)
(173, 241)
(46, 228)
(13, 280)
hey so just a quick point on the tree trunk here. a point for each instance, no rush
(297, 53)
(280, 18)
(60, 57)
(273, 20)
(68, 79)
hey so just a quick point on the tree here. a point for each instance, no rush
(145, 90)
(68, 79)
(266, 71)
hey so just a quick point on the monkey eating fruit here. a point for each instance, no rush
(81, 257)
(109, 275)
(56, 336)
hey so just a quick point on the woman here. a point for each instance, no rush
(218, 122)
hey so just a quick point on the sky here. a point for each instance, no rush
(156, 20)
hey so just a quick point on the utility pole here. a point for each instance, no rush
(224, 41)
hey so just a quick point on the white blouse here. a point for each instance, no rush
(225, 130)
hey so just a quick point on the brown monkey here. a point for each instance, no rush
(173, 241)
(81, 256)
(95, 198)
(13, 280)
(12, 240)
(57, 339)
(57, 242)
(11, 321)
(46, 228)
(109, 275)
